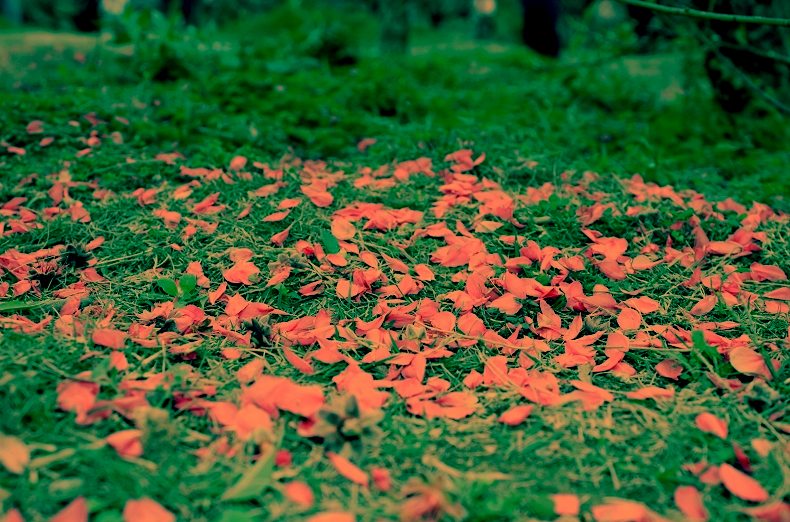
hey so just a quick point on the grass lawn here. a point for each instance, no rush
(241, 284)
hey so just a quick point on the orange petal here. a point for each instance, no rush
(566, 504)
(280, 237)
(724, 247)
(762, 446)
(651, 392)
(629, 319)
(299, 493)
(767, 272)
(506, 304)
(748, 361)
(741, 485)
(516, 415)
(616, 510)
(76, 511)
(346, 468)
(109, 337)
(424, 272)
(689, 501)
(343, 229)
(14, 455)
(669, 368)
(241, 273)
(126, 443)
(146, 510)
(444, 321)
(238, 163)
(704, 305)
(773, 512)
(710, 423)
(783, 294)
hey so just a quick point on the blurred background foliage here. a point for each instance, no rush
(309, 76)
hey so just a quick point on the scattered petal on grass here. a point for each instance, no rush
(127, 443)
(444, 321)
(651, 392)
(629, 319)
(762, 446)
(347, 469)
(669, 368)
(748, 361)
(616, 510)
(238, 163)
(272, 393)
(724, 248)
(242, 272)
(318, 194)
(506, 304)
(280, 237)
(424, 273)
(773, 512)
(109, 337)
(381, 478)
(250, 371)
(392, 325)
(299, 493)
(704, 305)
(516, 415)
(146, 510)
(688, 499)
(14, 454)
(76, 511)
(767, 272)
(343, 229)
(35, 127)
(741, 485)
(710, 423)
(13, 515)
(566, 504)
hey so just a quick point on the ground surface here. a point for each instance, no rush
(470, 318)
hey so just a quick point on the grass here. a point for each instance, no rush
(246, 99)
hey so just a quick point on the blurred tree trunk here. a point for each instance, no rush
(86, 20)
(394, 16)
(12, 11)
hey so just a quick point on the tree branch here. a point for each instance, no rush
(705, 15)
(750, 83)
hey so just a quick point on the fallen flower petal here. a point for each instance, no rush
(347, 469)
(741, 485)
(146, 510)
(709, 423)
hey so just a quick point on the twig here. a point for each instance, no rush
(757, 52)
(750, 84)
(706, 15)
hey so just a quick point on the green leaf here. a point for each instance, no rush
(168, 286)
(187, 283)
(704, 352)
(109, 516)
(540, 506)
(330, 243)
(253, 481)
